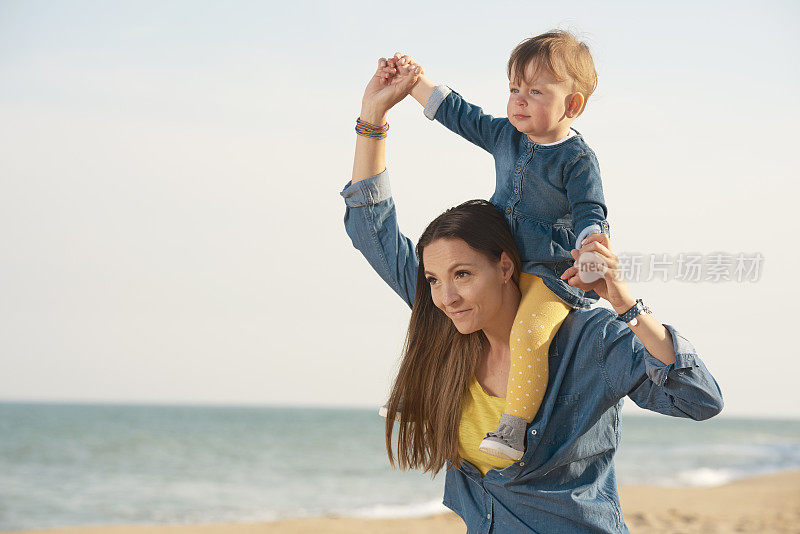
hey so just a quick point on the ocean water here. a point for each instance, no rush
(64, 465)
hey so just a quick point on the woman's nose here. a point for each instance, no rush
(449, 295)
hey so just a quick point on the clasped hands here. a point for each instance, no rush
(399, 67)
(391, 83)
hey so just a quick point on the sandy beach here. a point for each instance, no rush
(767, 504)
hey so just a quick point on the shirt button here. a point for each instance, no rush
(508, 210)
(522, 464)
(488, 516)
(533, 432)
(519, 169)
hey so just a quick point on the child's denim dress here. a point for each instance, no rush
(549, 194)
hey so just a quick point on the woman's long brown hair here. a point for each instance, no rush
(438, 361)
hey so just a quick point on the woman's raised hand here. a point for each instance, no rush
(391, 82)
(604, 276)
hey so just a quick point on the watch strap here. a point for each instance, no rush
(637, 309)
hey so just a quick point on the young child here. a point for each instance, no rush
(548, 186)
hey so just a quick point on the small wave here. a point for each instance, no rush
(705, 476)
(390, 511)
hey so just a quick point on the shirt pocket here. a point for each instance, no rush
(563, 420)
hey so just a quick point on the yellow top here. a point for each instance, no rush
(480, 413)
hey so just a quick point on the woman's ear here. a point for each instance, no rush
(575, 103)
(506, 267)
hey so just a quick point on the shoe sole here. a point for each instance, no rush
(498, 450)
(383, 412)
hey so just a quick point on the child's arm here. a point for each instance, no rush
(449, 108)
(585, 196)
(423, 90)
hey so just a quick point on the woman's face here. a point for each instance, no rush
(465, 284)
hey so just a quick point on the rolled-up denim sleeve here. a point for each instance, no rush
(370, 220)
(585, 195)
(684, 388)
(467, 120)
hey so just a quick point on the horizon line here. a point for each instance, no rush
(355, 407)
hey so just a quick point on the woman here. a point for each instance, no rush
(464, 296)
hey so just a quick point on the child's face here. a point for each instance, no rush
(538, 105)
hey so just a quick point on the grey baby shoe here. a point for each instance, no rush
(508, 441)
(384, 411)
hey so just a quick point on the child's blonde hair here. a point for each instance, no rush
(562, 54)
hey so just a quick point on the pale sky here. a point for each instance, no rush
(170, 175)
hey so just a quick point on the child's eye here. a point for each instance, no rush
(514, 90)
(535, 92)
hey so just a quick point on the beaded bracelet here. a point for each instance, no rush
(370, 130)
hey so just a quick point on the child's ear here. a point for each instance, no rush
(575, 103)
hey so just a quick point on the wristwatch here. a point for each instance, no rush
(635, 310)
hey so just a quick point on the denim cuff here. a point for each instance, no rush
(684, 358)
(367, 192)
(592, 229)
(589, 230)
(435, 100)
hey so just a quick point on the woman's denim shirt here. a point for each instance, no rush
(549, 194)
(565, 482)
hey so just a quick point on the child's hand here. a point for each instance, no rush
(400, 67)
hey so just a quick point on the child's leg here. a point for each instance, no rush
(539, 316)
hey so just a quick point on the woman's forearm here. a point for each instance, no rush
(653, 335)
(370, 156)
(382, 92)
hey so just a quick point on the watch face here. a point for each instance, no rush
(634, 321)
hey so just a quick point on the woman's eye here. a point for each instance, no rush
(462, 274)
(431, 280)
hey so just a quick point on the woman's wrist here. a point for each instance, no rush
(624, 304)
(618, 294)
(373, 116)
